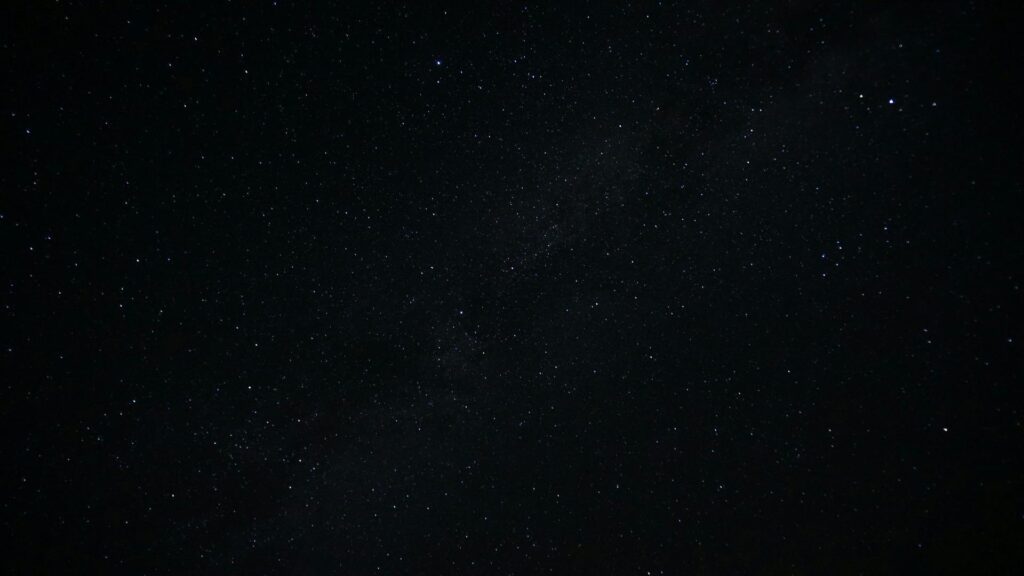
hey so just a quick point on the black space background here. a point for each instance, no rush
(600, 288)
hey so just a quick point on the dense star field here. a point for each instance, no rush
(605, 288)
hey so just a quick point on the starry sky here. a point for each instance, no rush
(511, 288)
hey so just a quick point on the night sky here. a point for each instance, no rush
(548, 288)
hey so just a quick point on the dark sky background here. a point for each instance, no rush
(603, 288)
